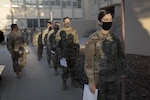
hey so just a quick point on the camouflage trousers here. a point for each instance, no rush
(40, 51)
(108, 91)
(55, 60)
(19, 62)
(48, 56)
(70, 70)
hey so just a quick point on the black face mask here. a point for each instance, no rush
(106, 25)
(50, 28)
(56, 27)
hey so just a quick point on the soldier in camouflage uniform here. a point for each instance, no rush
(40, 45)
(70, 51)
(45, 34)
(52, 46)
(15, 45)
(26, 36)
(31, 36)
(104, 61)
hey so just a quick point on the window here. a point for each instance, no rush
(32, 23)
(43, 22)
(74, 4)
(17, 2)
(77, 4)
(55, 3)
(68, 3)
(43, 2)
(64, 4)
(31, 2)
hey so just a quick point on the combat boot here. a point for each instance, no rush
(74, 83)
(18, 75)
(22, 72)
(56, 73)
(64, 86)
(49, 63)
(39, 58)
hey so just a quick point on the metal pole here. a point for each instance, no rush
(123, 24)
(123, 45)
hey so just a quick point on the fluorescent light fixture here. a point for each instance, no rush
(15, 6)
(6, 5)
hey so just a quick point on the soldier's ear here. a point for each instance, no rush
(99, 23)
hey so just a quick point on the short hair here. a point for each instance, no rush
(13, 26)
(102, 14)
(66, 18)
(49, 22)
(56, 22)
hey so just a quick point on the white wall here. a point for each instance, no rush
(32, 12)
(93, 11)
(137, 27)
(56, 13)
(18, 12)
(86, 9)
(44, 13)
(82, 26)
(116, 1)
(5, 13)
(78, 13)
(67, 12)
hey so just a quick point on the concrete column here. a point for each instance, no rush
(50, 7)
(83, 9)
(12, 17)
(99, 5)
(37, 1)
(117, 10)
(72, 11)
(25, 11)
(62, 15)
(86, 9)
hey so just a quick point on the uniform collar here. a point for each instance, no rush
(105, 37)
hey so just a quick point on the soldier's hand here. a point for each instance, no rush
(77, 54)
(20, 52)
(60, 56)
(92, 87)
(122, 77)
(12, 54)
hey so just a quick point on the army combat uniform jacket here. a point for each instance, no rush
(15, 45)
(15, 41)
(104, 61)
(68, 31)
